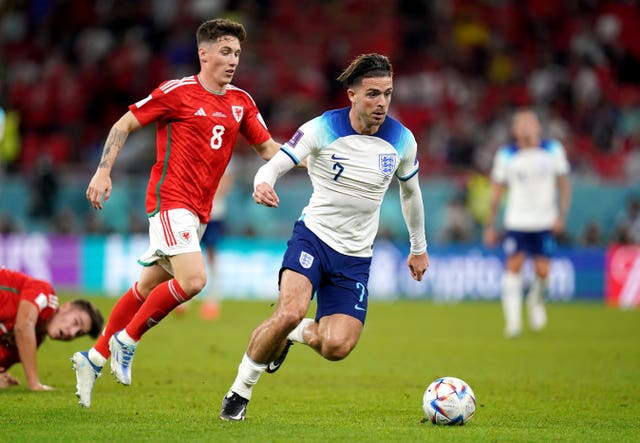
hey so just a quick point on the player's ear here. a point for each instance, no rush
(351, 93)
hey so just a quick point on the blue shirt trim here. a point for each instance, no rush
(290, 154)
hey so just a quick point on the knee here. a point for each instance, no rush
(288, 319)
(336, 351)
(143, 290)
(542, 270)
(193, 284)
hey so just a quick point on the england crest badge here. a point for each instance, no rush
(306, 260)
(387, 163)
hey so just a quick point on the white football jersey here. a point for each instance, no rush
(531, 177)
(350, 174)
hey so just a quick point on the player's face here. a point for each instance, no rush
(526, 129)
(68, 323)
(219, 60)
(370, 103)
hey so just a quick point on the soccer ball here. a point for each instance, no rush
(449, 401)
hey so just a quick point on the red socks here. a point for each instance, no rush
(123, 311)
(160, 302)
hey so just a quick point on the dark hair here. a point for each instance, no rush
(366, 66)
(94, 314)
(212, 30)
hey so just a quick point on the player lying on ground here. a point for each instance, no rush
(29, 313)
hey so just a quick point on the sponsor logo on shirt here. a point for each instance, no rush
(200, 112)
(219, 114)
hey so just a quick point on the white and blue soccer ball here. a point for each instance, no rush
(449, 401)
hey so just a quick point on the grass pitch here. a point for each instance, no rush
(577, 381)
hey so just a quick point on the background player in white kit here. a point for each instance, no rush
(536, 173)
(352, 155)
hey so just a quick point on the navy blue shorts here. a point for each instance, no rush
(213, 233)
(339, 281)
(539, 243)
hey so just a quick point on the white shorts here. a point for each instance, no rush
(172, 232)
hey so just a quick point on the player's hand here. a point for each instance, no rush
(41, 387)
(99, 189)
(558, 226)
(418, 265)
(7, 380)
(264, 194)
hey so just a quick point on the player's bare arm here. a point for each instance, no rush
(25, 334)
(99, 189)
(564, 191)
(490, 234)
(267, 149)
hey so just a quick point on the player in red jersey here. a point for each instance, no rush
(29, 313)
(197, 119)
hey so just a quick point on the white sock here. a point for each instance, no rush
(126, 338)
(535, 304)
(537, 291)
(297, 334)
(248, 374)
(512, 303)
(96, 358)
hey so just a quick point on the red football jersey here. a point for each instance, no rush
(195, 136)
(14, 287)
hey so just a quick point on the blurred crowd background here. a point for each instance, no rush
(70, 68)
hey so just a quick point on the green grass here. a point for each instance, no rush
(577, 381)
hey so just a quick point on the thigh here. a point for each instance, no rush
(150, 277)
(304, 256)
(188, 266)
(296, 292)
(542, 266)
(514, 262)
(516, 246)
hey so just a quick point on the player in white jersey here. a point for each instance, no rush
(352, 155)
(535, 172)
